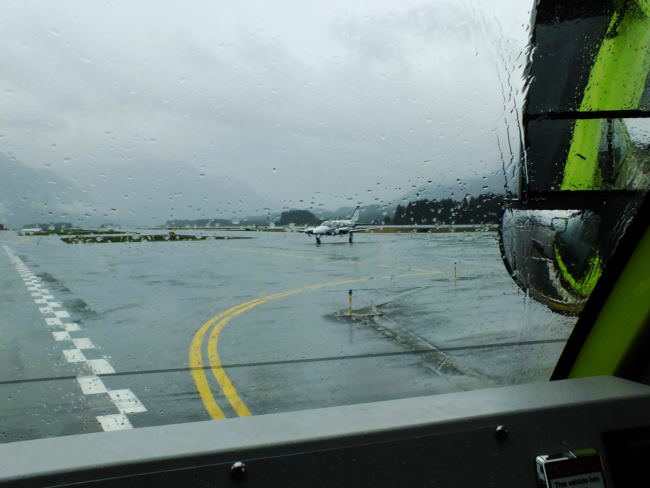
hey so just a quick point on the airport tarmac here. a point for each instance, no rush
(123, 335)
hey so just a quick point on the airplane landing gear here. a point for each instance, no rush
(350, 238)
(318, 241)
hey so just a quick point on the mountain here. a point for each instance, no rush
(368, 214)
(148, 194)
(471, 201)
(481, 192)
(143, 193)
(492, 183)
(38, 195)
(126, 194)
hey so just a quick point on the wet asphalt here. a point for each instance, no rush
(432, 313)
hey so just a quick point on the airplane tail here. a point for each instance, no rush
(355, 215)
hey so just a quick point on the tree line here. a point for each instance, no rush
(481, 209)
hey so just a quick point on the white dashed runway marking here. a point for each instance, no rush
(91, 385)
(74, 356)
(114, 422)
(83, 343)
(100, 366)
(61, 335)
(53, 321)
(124, 400)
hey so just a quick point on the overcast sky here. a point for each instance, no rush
(299, 100)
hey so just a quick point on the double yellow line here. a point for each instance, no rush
(217, 323)
(197, 367)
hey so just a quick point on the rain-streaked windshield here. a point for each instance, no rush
(165, 168)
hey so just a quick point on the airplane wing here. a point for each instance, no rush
(347, 229)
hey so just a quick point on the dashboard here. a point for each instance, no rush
(586, 432)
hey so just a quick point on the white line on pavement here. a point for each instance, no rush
(74, 356)
(83, 343)
(61, 335)
(124, 400)
(114, 422)
(91, 385)
(100, 366)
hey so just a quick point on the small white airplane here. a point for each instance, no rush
(335, 227)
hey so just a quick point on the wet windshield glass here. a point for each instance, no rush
(163, 177)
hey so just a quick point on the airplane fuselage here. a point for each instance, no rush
(332, 228)
(336, 227)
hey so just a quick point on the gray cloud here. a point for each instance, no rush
(320, 103)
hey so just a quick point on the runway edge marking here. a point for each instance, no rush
(125, 401)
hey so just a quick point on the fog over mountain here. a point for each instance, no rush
(494, 182)
(144, 195)
(29, 195)
(133, 194)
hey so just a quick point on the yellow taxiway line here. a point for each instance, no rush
(197, 366)
(215, 362)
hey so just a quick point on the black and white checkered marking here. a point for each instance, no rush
(57, 319)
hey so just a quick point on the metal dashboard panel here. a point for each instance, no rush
(444, 440)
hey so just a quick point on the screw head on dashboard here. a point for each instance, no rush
(501, 432)
(238, 471)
